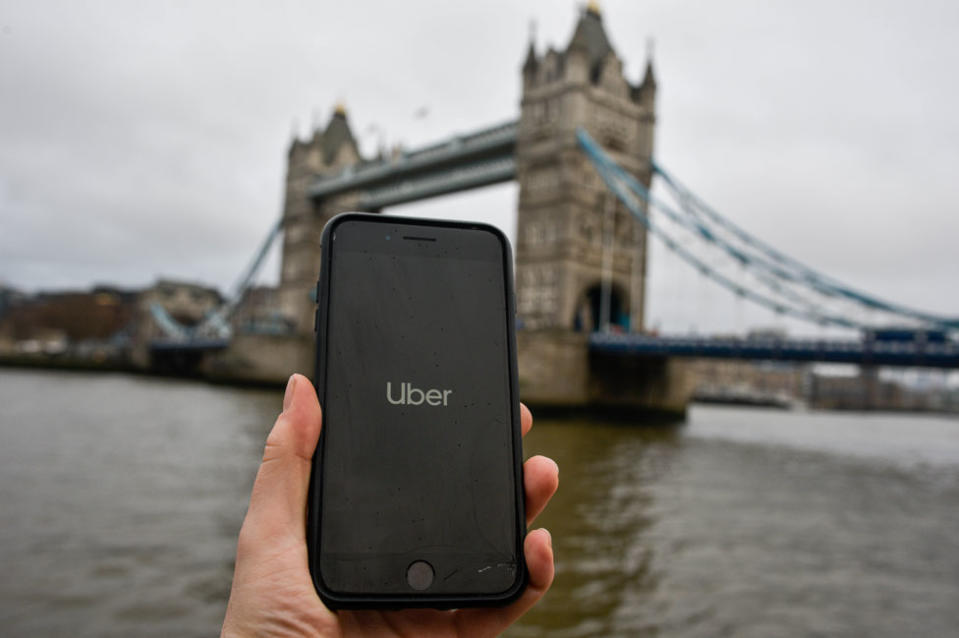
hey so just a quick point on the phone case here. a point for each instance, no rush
(335, 600)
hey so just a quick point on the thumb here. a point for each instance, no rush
(278, 503)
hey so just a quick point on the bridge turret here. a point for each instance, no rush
(326, 151)
(580, 256)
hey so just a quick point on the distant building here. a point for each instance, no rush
(867, 391)
(67, 323)
(10, 297)
(78, 315)
(103, 323)
(750, 382)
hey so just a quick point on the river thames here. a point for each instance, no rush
(121, 497)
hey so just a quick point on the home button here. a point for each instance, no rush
(419, 575)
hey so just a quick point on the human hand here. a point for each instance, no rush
(273, 593)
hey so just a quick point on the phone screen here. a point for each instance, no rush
(418, 460)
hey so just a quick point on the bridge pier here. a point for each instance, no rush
(557, 372)
(261, 359)
(656, 386)
(553, 368)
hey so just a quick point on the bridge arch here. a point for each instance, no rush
(588, 308)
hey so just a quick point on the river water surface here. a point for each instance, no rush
(121, 498)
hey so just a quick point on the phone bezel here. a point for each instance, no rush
(339, 600)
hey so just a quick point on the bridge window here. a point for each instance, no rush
(614, 143)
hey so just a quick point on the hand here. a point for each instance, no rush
(273, 593)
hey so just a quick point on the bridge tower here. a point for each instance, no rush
(580, 255)
(326, 152)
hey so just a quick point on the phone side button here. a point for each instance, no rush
(316, 320)
(419, 575)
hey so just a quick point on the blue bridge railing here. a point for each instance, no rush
(864, 352)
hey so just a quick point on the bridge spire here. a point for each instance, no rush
(530, 64)
(646, 90)
(649, 77)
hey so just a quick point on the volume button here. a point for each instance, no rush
(316, 320)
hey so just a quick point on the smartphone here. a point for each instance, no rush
(416, 493)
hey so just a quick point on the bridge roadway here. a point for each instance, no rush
(865, 352)
(457, 164)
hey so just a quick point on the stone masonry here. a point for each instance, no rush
(563, 220)
(327, 151)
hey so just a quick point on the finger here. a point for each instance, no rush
(278, 502)
(539, 563)
(525, 418)
(540, 480)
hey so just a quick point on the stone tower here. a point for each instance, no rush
(327, 151)
(580, 255)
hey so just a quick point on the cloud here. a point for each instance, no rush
(150, 139)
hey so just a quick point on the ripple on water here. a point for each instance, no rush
(123, 498)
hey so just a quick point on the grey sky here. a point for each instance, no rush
(147, 139)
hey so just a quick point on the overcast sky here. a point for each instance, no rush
(148, 139)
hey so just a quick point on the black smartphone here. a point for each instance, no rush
(416, 494)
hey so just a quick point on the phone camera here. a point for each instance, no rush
(387, 238)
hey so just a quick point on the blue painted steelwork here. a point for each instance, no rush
(216, 325)
(867, 352)
(624, 186)
(453, 180)
(822, 283)
(459, 163)
(772, 269)
(218, 322)
(172, 328)
(488, 157)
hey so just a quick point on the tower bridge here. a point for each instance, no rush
(581, 151)
(563, 205)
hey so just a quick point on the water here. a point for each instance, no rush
(121, 498)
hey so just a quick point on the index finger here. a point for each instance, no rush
(526, 418)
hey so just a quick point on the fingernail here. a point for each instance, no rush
(288, 395)
(549, 537)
